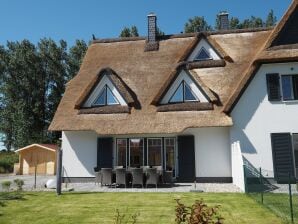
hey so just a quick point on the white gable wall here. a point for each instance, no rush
(208, 48)
(79, 153)
(191, 84)
(255, 118)
(97, 90)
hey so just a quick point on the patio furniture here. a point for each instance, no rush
(167, 177)
(158, 168)
(137, 176)
(121, 176)
(117, 167)
(145, 168)
(152, 177)
(106, 176)
(97, 177)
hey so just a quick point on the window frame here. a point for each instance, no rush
(175, 155)
(126, 148)
(161, 149)
(183, 82)
(205, 59)
(105, 90)
(292, 88)
(143, 146)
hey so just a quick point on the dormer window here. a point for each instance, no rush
(203, 55)
(183, 94)
(106, 97)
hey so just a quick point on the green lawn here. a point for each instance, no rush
(279, 204)
(157, 208)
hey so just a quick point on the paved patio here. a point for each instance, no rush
(92, 187)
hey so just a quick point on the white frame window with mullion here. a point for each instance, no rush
(117, 152)
(174, 168)
(289, 87)
(129, 150)
(148, 153)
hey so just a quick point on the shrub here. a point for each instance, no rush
(7, 160)
(6, 185)
(198, 213)
(19, 184)
(122, 219)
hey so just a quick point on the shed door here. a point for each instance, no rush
(105, 153)
(186, 158)
(283, 160)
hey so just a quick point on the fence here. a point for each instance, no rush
(281, 196)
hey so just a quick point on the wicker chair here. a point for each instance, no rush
(121, 176)
(167, 177)
(152, 177)
(97, 177)
(137, 177)
(106, 176)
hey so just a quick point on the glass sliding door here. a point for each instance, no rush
(121, 152)
(136, 151)
(154, 146)
(170, 154)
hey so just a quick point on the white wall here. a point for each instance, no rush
(79, 153)
(255, 117)
(212, 151)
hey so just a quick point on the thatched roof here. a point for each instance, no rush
(146, 74)
(276, 49)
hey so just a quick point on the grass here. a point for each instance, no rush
(279, 204)
(155, 208)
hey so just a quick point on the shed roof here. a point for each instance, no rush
(50, 147)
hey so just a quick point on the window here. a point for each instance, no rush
(136, 148)
(106, 97)
(289, 85)
(203, 55)
(170, 154)
(183, 94)
(121, 152)
(154, 151)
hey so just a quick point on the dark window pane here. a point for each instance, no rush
(286, 81)
(121, 152)
(178, 95)
(189, 96)
(101, 100)
(154, 152)
(111, 99)
(203, 55)
(136, 152)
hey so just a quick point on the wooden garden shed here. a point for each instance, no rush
(41, 157)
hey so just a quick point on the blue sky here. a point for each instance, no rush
(74, 19)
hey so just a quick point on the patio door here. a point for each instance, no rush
(186, 158)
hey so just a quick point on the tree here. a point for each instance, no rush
(134, 31)
(159, 32)
(196, 24)
(75, 57)
(235, 23)
(129, 32)
(271, 19)
(32, 81)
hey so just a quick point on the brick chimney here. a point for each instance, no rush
(223, 21)
(152, 43)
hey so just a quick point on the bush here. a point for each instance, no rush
(20, 183)
(6, 185)
(7, 160)
(122, 219)
(198, 213)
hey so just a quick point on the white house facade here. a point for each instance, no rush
(202, 105)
